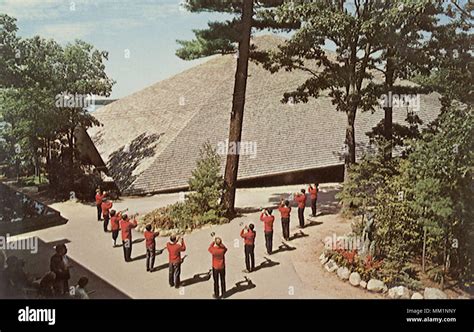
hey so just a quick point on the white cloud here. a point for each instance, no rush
(51, 9)
(33, 9)
(67, 20)
(68, 32)
(63, 32)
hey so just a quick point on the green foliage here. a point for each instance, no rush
(202, 205)
(222, 37)
(38, 135)
(431, 190)
(9, 52)
(364, 179)
(397, 232)
(206, 182)
(450, 53)
(441, 175)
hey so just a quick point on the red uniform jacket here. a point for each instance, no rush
(218, 256)
(106, 206)
(115, 222)
(284, 211)
(268, 222)
(301, 200)
(150, 239)
(313, 192)
(126, 227)
(249, 237)
(174, 251)
(98, 199)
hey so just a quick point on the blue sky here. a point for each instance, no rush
(140, 35)
(146, 30)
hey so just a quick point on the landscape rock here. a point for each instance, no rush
(354, 279)
(343, 273)
(434, 294)
(399, 292)
(417, 296)
(331, 266)
(363, 284)
(323, 259)
(375, 285)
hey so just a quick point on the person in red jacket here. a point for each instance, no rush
(98, 203)
(115, 225)
(175, 247)
(248, 234)
(285, 211)
(313, 191)
(126, 227)
(150, 245)
(218, 250)
(301, 200)
(268, 219)
(106, 206)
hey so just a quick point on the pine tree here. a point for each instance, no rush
(221, 38)
(206, 182)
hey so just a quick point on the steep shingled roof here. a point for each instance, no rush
(164, 125)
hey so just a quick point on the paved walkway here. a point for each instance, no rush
(281, 275)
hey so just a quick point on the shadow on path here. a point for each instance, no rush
(313, 223)
(157, 252)
(266, 263)
(240, 286)
(197, 278)
(165, 265)
(160, 267)
(283, 247)
(37, 264)
(298, 235)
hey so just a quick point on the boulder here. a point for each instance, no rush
(363, 284)
(354, 279)
(375, 285)
(343, 273)
(331, 266)
(323, 259)
(399, 292)
(434, 294)
(417, 296)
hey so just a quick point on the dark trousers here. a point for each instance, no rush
(61, 286)
(216, 275)
(313, 207)
(127, 250)
(150, 258)
(174, 274)
(115, 236)
(301, 216)
(99, 212)
(285, 226)
(269, 242)
(249, 256)
(106, 222)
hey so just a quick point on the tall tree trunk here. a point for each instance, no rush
(350, 153)
(237, 115)
(423, 256)
(71, 158)
(388, 109)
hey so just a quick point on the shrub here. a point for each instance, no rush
(202, 205)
